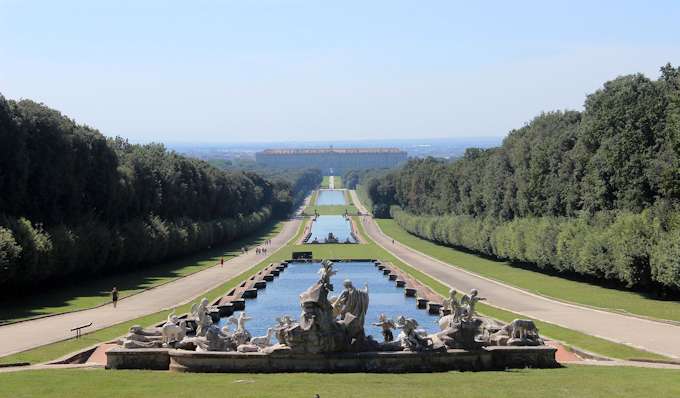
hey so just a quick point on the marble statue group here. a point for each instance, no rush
(336, 324)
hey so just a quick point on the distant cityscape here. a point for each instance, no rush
(445, 148)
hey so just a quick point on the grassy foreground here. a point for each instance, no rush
(573, 381)
(548, 285)
(96, 292)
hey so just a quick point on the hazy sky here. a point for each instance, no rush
(227, 71)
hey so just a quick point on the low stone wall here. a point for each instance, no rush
(142, 358)
(490, 358)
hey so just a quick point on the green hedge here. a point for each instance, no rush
(31, 255)
(635, 249)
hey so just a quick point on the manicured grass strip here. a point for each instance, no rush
(548, 285)
(325, 182)
(337, 182)
(569, 382)
(363, 197)
(96, 292)
(331, 210)
(315, 195)
(61, 348)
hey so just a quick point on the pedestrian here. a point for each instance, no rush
(114, 296)
(222, 262)
(392, 241)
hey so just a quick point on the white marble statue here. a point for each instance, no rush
(241, 335)
(264, 341)
(174, 333)
(409, 338)
(325, 273)
(199, 312)
(468, 302)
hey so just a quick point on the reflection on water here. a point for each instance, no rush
(337, 225)
(330, 197)
(281, 297)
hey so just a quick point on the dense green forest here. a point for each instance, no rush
(74, 203)
(593, 193)
(292, 184)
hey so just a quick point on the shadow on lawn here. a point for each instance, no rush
(92, 292)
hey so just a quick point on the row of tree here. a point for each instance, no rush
(291, 185)
(632, 249)
(74, 203)
(588, 192)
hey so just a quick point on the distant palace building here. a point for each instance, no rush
(332, 161)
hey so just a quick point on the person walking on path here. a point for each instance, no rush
(222, 262)
(114, 296)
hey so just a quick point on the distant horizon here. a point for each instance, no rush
(327, 143)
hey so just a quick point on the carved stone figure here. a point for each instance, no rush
(241, 335)
(173, 333)
(214, 340)
(203, 320)
(325, 273)
(410, 339)
(519, 332)
(386, 325)
(263, 341)
(138, 337)
(468, 302)
(352, 306)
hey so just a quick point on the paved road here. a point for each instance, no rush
(25, 335)
(653, 336)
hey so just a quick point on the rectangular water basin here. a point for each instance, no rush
(339, 226)
(331, 197)
(281, 297)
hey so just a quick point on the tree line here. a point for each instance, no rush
(594, 193)
(292, 185)
(75, 204)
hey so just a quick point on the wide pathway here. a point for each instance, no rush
(34, 333)
(653, 336)
(331, 182)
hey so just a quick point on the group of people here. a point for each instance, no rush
(263, 250)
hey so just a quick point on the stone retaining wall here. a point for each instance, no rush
(489, 358)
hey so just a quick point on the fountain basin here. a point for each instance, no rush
(488, 358)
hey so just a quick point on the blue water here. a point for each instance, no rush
(330, 197)
(338, 225)
(281, 297)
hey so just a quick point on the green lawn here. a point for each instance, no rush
(552, 286)
(324, 182)
(95, 292)
(363, 197)
(312, 200)
(572, 381)
(330, 210)
(337, 181)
